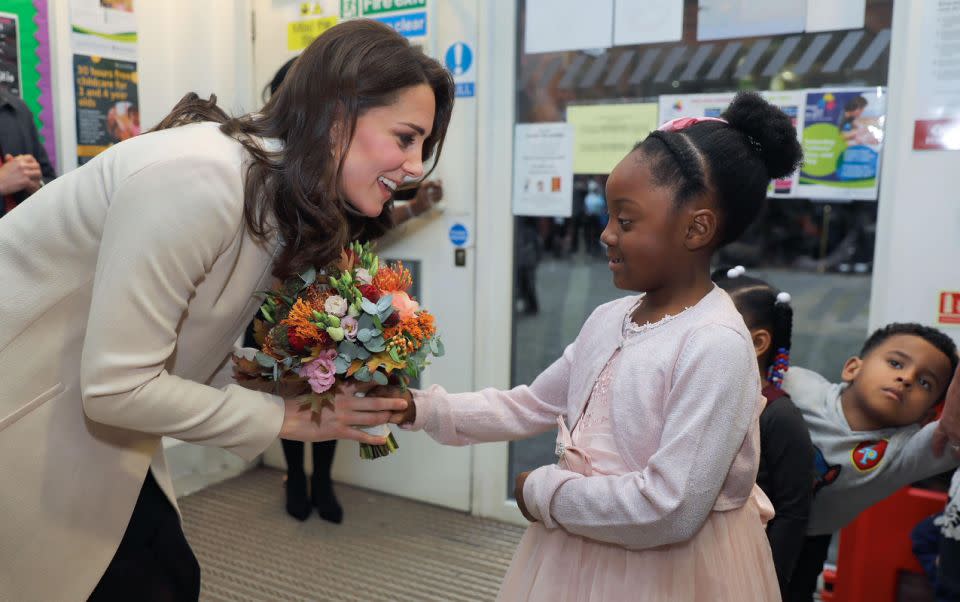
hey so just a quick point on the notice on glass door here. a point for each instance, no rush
(937, 123)
(543, 169)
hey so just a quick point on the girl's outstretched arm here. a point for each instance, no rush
(494, 415)
(713, 402)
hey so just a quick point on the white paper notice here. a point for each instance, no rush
(104, 29)
(724, 19)
(937, 119)
(647, 22)
(559, 25)
(543, 169)
(832, 15)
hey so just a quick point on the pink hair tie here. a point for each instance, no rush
(682, 123)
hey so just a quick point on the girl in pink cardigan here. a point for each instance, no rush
(657, 399)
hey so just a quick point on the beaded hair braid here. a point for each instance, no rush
(762, 306)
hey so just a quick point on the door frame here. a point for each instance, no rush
(496, 98)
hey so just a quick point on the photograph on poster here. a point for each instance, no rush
(842, 141)
(121, 5)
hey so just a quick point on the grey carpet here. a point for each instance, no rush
(387, 548)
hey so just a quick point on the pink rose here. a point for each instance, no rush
(363, 276)
(404, 305)
(321, 372)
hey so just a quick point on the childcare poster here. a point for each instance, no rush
(674, 106)
(9, 54)
(108, 109)
(791, 102)
(842, 142)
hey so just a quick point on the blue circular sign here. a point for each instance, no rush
(459, 234)
(459, 58)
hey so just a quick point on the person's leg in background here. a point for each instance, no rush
(925, 540)
(298, 504)
(948, 565)
(321, 484)
(803, 584)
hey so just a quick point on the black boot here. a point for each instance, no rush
(321, 485)
(298, 506)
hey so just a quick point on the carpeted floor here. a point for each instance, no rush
(387, 548)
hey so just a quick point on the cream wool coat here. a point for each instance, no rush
(123, 285)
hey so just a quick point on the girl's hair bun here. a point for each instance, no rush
(768, 130)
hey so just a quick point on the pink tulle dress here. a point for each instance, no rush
(729, 559)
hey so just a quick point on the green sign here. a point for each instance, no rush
(376, 7)
(349, 9)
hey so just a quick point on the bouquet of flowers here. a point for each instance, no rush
(352, 321)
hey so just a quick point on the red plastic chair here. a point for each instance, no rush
(875, 548)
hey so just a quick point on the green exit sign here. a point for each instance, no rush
(375, 7)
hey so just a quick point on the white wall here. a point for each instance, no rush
(184, 46)
(918, 230)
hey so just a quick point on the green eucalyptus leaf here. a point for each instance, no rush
(384, 302)
(365, 322)
(369, 307)
(376, 344)
(380, 378)
(265, 360)
(309, 277)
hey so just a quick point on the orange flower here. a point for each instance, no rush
(409, 335)
(316, 296)
(427, 325)
(300, 323)
(393, 278)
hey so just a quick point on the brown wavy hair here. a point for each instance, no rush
(351, 68)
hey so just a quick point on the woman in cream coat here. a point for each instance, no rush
(126, 281)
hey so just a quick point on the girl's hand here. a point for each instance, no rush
(518, 495)
(338, 420)
(405, 416)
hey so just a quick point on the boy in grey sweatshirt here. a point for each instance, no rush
(868, 433)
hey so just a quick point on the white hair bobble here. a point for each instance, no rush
(783, 298)
(736, 272)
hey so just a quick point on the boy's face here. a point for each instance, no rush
(899, 380)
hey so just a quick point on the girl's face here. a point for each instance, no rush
(386, 149)
(645, 233)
